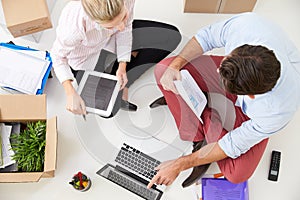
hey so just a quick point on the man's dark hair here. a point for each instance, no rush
(250, 70)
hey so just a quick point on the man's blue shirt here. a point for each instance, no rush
(268, 112)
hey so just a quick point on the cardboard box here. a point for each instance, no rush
(218, 6)
(24, 108)
(201, 6)
(237, 6)
(25, 17)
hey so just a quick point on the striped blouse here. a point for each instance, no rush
(78, 38)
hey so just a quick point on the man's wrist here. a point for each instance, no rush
(180, 164)
(188, 161)
(178, 63)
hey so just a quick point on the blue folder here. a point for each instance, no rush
(48, 57)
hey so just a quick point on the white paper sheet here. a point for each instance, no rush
(21, 71)
(191, 93)
(6, 148)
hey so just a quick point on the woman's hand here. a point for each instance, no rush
(168, 77)
(121, 74)
(75, 103)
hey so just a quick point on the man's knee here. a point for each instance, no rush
(186, 137)
(237, 175)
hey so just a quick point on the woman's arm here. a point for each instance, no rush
(124, 38)
(69, 34)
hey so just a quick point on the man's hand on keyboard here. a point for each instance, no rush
(167, 172)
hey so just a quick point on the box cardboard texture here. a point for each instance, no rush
(25, 108)
(237, 6)
(25, 17)
(218, 6)
(201, 6)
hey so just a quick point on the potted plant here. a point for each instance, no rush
(29, 147)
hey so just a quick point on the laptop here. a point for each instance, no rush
(99, 92)
(133, 169)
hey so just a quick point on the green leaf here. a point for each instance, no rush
(29, 147)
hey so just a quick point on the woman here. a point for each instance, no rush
(88, 27)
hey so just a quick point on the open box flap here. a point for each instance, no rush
(22, 107)
(20, 177)
(50, 150)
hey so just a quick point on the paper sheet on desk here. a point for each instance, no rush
(191, 93)
(21, 71)
(37, 54)
(6, 148)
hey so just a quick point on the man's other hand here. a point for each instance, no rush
(167, 79)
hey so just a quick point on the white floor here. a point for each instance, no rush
(73, 157)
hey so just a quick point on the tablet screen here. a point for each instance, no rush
(97, 92)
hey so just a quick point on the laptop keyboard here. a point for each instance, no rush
(137, 161)
(133, 186)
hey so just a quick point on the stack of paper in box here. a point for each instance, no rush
(23, 70)
(6, 163)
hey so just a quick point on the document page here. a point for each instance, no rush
(6, 148)
(191, 93)
(21, 71)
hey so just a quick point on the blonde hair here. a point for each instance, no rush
(102, 10)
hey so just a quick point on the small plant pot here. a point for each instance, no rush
(81, 182)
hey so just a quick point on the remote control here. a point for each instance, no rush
(274, 166)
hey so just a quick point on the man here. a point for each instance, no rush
(258, 74)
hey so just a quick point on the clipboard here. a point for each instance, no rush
(47, 57)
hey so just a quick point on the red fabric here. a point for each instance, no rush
(204, 71)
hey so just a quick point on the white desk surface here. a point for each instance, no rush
(72, 157)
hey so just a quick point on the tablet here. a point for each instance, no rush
(99, 92)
